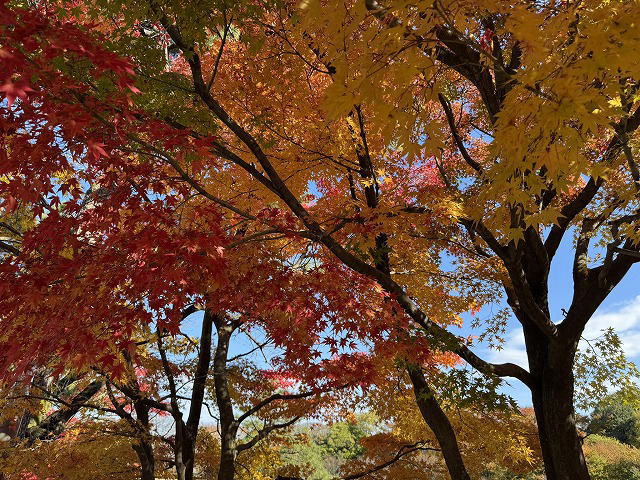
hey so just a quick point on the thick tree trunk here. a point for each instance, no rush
(552, 395)
(227, 468)
(181, 469)
(439, 423)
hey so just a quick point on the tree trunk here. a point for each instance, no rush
(144, 447)
(227, 468)
(197, 396)
(144, 450)
(189, 451)
(439, 423)
(552, 395)
(228, 423)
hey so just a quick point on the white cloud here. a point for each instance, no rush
(623, 317)
(513, 350)
(631, 344)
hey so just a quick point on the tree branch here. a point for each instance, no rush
(264, 432)
(404, 450)
(278, 396)
(446, 106)
(55, 422)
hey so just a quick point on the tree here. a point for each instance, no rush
(343, 438)
(490, 432)
(528, 165)
(614, 416)
(483, 131)
(152, 391)
(520, 194)
(85, 451)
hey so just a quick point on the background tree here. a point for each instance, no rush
(608, 458)
(616, 417)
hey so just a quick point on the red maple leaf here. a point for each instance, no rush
(97, 149)
(9, 204)
(13, 90)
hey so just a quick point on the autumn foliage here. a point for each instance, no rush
(322, 191)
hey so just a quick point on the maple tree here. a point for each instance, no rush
(395, 136)
(538, 183)
(529, 137)
(505, 437)
(109, 222)
(151, 392)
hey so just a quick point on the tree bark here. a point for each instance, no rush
(54, 424)
(439, 423)
(197, 396)
(144, 446)
(227, 467)
(144, 450)
(175, 412)
(228, 423)
(187, 432)
(552, 394)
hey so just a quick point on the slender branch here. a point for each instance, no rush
(273, 398)
(9, 248)
(264, 432)
(10, 228)
(227, 27)
(446, 106)
(187, 178)
(404, 450)
(164, 156)
(626, 251)
(251, 237)
(168, 373)
(573, 208)
(254, 349)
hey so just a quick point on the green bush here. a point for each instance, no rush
(609, 459)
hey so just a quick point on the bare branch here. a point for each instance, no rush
(276, 397)
(264, 432)
(404, 450)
